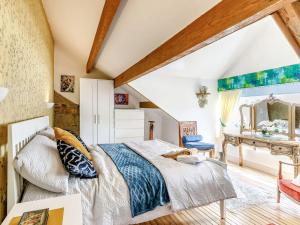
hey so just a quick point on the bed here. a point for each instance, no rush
(106, 200)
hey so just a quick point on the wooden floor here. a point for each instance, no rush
(285, 213)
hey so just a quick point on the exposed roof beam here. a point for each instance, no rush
(225, 18)
(290, 15)
(287, 32)
(107, 15)
(148, 105)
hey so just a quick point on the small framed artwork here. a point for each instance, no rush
(121, 99)
(67, 83)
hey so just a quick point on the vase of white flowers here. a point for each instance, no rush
(270, 127)
(267, 127)
(266, 132)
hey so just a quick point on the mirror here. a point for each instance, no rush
(246, 118)
(297, 120)
(272, 116)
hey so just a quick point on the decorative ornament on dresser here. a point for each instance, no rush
(202, 96)
(67, 83)
(49, 105)
(151, 130)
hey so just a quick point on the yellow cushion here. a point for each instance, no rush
(71, 140)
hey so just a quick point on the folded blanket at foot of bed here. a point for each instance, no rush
(145, 183)
(189, 186)
(191, 159)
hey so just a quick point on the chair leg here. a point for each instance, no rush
(278, 195)
(212, 153)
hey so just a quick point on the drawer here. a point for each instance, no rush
(129, 124)
(255, 143)
(232, 140)
(129, 114)
(128, 133)
(279, 150)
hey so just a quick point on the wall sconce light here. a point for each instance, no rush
(3, 93)
(49, 105)
(202, 96)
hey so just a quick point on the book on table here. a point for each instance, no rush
(37, 217)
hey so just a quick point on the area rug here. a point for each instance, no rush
(248, 195)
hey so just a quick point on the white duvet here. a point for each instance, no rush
(105, 200)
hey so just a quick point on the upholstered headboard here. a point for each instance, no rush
(19, 134)
(187, 128)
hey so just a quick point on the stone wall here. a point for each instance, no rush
(66, 113)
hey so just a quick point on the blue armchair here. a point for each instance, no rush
(195, 141)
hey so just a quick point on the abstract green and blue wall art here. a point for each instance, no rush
(282, 75)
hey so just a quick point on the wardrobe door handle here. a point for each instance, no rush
(95, 119)
(98, 119)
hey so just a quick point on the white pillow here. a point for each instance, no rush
(296, 181)
(40, 164)
(48, 132)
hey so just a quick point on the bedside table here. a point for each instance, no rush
(70, 203)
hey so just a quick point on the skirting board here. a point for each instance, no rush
(257, 166)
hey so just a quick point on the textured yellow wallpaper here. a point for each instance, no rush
(26, 66)
(26, 60)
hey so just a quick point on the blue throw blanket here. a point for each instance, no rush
(146, 185)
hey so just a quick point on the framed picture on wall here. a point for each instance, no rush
(121, 99)
(67, 83)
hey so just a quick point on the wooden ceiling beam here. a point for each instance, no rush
(287, 32)
(109, 11)
(290, 16)
(148, 105)
(225, 18)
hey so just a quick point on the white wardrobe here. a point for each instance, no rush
(96, 111)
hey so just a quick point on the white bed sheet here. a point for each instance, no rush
(105, 200)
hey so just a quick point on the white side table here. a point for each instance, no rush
(70, 203)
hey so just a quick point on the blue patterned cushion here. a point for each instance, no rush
(75, 162)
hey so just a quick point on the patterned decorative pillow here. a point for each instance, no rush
(70, 139)
(75, 162)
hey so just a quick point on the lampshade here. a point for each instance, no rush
(49, 105)
(3, 93)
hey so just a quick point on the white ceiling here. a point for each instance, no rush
(73, 24)
(256, 47)
(140, 26)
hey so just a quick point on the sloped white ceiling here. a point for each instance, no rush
(140, 26)
(73, 24)
(256, 47)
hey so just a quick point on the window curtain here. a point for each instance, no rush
(228, 100)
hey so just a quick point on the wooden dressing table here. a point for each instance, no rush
(271, 123)
(277, 146)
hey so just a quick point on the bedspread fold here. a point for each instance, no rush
(188, 186)
(145, 183)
